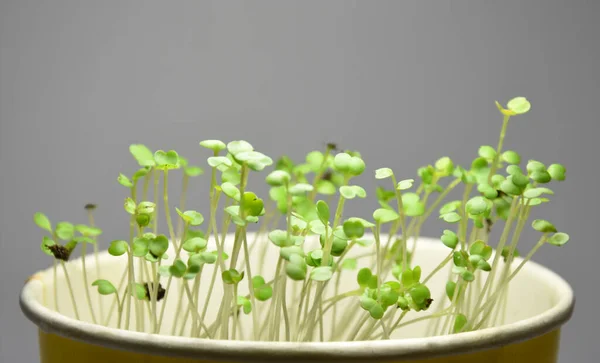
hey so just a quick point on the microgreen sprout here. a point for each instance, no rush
(302, 216)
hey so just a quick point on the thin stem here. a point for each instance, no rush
(492, 299)
(358, 326)
(236, 311)
(438, 268)
(85, 283)
(112, 306)
(73, 302)
(97, 260)
(498, 148)
(251, 290)
(497, 257)
(55, 284)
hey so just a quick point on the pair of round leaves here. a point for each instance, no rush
(338, 246)
(449, 239)
(166, 160)
(262, 291)
(232, 276)
(347, 164)
(516, 106)
(489, 153)
(296, 268)
(315, 258)
(191, 217)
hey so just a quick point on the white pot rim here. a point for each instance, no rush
(413, 348)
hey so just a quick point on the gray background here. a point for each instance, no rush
(403, 81)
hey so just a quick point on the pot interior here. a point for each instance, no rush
(530, 294)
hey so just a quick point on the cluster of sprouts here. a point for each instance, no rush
(317, 245)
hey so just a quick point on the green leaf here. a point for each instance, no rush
(245, 304)
(158, 246)
(449, 239)
(543, 226)
(364, 276)
(105, 287)
(326, 187)
(314, 160)
(214, 145)
(451, 217)
(139, 291)
(536, 192)
(195, 244)
(558, 239)
(322, 273)
(557, 172)
(459, 259)
(519, 105)
(365, 242)
(514, 170)
(509, 188)
(444, 166)
(487, 191)
(477, 206)
(142, 154)
(534, 165)
(263, 293)
(420, 294)
(300, 188)
(295, 268)
(349, 264)
(232, 276)
(347, 192)
(511, 157)
(487, 152)
(376, 311)
(88, 231)
(278, 178)
(140, 247)
(193, 171)
(383, 173)
(467, 275)
(450, 207)
(45, 246)
(541, 176)
(42, 221)
(124, 181)
(341, 162)
(234, 213)
(239, 146)
(459, 323)
(177, 269)
(450, 288)
(405, 184)
(118, 248)
(129, 205)
(280, 238)
(477, 248)
(367, 302)
(323, 212)
(166, 160)
(249, 156)
(353, 229)
(219, 162)
(64, 231)
(383, 215)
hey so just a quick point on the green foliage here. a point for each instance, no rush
(42, 221)
(489, 192)
(105, 287)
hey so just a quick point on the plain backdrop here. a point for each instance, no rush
(404, 82)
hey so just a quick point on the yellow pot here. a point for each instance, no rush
(539, 303)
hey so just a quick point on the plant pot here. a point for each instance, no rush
(539, 303)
